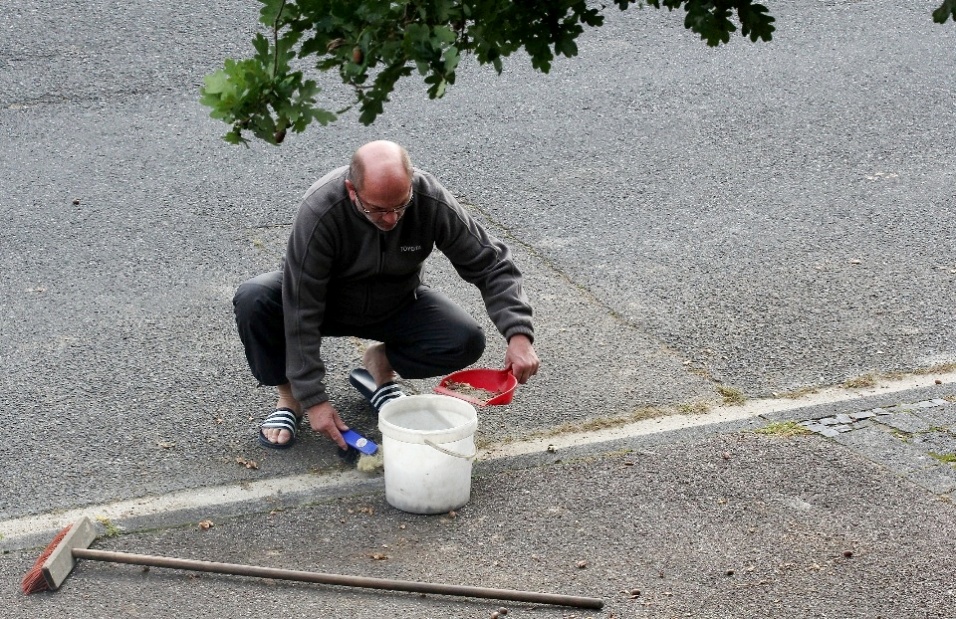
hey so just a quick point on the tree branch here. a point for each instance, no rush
(275, 39)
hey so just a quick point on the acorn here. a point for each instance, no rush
(358, 56)
(279, 136)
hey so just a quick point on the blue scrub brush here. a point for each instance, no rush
(366, 454)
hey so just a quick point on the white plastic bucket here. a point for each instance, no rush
(428, 446)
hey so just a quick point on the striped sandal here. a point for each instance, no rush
(377, 396)
(282, 419)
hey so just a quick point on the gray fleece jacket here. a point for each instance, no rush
(340, 266)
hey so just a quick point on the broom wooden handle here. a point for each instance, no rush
(337, 579)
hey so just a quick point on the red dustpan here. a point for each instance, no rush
(480, 386)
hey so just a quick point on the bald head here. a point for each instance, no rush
(380, 183)
(381, 167)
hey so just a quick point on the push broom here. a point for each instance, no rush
(58, 559)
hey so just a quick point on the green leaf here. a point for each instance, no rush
(947, 10)
(441, 9)
(323, 117)
(235, 137)
(444, 34)
(756, 22)
(216, 83)
(261, 45)
(270, 10)
(566, 46)
(417, 33)
(451, 58)
(709, 21)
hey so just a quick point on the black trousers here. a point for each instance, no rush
(431, 336)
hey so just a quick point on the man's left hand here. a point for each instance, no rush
(521, 358)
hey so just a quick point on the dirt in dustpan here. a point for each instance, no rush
(476, 392)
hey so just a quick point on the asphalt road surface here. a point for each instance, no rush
(767, 217)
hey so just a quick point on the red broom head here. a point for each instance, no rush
(34, 582)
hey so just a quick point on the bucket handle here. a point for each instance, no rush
(451, 453)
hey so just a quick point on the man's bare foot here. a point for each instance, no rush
(286, 400)
(376, 362)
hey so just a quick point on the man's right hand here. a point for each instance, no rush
(325, 419)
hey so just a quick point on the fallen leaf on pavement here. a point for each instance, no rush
(249, 464)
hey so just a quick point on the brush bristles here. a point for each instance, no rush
(371, 463)
(34, 581)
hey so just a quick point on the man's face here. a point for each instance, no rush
(382, 217)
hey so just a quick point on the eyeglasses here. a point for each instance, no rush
(381, 212)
